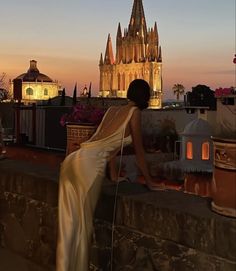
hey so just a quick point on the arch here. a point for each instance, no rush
(29, 91)
(205, 150)
(123, 81)
(119, 81)
(189, 150)
(130, 77)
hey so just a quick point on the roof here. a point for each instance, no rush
(198, 127)
(33, 74)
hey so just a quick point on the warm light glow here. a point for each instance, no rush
(189, 150)
(71, 58)
(205, 151)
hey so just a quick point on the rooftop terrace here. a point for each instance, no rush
(163, 230)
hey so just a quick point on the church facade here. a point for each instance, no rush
(138, 55)
(34, 86)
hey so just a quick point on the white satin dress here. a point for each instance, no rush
(81, 176)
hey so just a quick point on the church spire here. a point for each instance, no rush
(101, 60)
(137, 19)
(119, 34)
(160, 55)
(109, 58)
(118, 45)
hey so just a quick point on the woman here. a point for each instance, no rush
(83, 171)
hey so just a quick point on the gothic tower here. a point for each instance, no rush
(138, 55)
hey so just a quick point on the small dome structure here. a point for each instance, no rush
(197, 127)
(33, 74)
(34, 86)
(196, 142)
(196, 149)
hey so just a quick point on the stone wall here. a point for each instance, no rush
(28, 215)
(164, 230)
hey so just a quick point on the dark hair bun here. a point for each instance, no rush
(139, 92)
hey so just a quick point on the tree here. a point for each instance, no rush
(4, 92)
(202, 95)
(89, 92)
(75, 95)
(178, 90)
(63, 97)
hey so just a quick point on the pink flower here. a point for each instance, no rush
(83, 114)
(223, 91)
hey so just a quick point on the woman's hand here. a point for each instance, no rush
(154, 184)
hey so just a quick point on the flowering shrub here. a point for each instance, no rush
(83, 114)
(223, 91)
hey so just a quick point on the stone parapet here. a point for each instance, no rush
(164, 230)
(28, 215)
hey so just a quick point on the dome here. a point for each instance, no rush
(198, 127)
(33, 74)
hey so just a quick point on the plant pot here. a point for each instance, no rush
(76, 134)
(198, 183)
(224, 177)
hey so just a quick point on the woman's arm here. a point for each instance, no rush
(135, 127)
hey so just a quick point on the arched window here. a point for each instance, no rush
(29, 91)
(189, 150)
(45, 91)
(205, 151)
(130, 77)
(118, 81)
(123, 81)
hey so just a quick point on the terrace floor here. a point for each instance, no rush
(51, 158)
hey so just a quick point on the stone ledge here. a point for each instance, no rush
(134, 250)
(175, 219)
(33, 181)
(164, 230)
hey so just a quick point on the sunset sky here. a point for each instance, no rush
(66, 38)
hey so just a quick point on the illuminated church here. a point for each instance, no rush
(34, 86)
(138, 55)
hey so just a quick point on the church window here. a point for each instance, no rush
(205, 151)
(189, 150)
(118, 81)
(123, 82)
(29, 91)
(45, 91)
(130, 77)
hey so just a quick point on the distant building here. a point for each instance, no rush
(84, 92)
(33, 86)
(201, 96)
(138, 55)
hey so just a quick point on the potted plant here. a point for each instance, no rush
(224, 142)
(80, 124)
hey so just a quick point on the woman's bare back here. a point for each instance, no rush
(113, 120)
